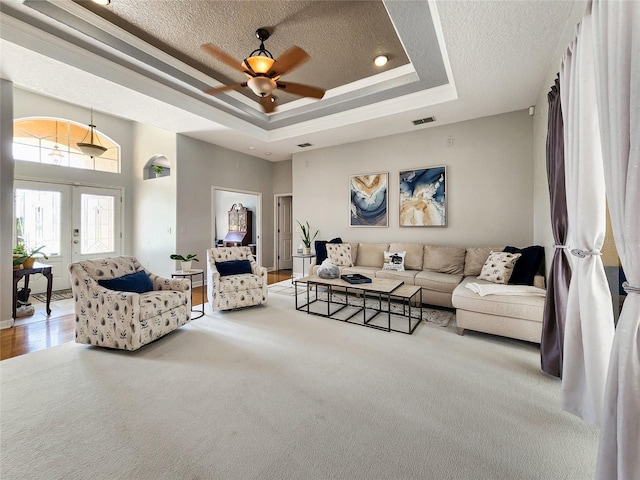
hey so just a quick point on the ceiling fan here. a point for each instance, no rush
(264, 72)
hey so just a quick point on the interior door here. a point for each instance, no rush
(285, 233)
(96, 230)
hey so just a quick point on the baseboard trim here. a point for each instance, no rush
(7, 323)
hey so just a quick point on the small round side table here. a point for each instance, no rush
(192, 273)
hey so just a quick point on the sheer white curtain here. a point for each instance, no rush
(589, 327)
(617, 65)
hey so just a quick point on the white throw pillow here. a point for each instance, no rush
(394, 261)
(339, 254)
(499, 267)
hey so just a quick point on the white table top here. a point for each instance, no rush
(193, 271)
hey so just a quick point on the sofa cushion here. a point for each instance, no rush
(528, 264)
(394, 260)
(444, 259)
(499, 267)
(245, 281)
(339, 254)
(407, 276)
(371, 254)
(438, 282)
(233, 267)
(475, 257)
(414, 254)
(159, 301)
(514, 306)
(366, 271)
(138, 282)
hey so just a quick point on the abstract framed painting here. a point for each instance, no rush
(423, 197)
(368, 197)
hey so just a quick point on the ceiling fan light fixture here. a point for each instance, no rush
(380, 60)
(259, 64)
(261, 86)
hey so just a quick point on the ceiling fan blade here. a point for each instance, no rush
(289, 60)
(223, 57)
(225, 88)
(268, 103)
(302, 90)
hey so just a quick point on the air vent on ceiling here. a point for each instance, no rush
(305, 145)
(424, 120)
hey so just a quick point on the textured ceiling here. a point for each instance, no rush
(342, 37)
(141, 60)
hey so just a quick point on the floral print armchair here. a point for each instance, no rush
(226, 292)
(125, 320)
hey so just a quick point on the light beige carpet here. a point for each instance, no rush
(270, 393)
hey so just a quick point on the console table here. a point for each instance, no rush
(19, 273)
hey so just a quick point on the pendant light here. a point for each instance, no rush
(56, 155)
(91, 149)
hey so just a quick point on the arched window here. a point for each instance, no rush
(53, 141)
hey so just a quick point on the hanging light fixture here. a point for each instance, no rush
(56, 155)
(91, 149)
(260, 62)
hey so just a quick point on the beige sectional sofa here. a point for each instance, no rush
(443, 272)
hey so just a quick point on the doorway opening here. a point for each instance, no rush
(222, 200)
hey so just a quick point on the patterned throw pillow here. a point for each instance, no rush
(499, 267)
(394, 261)
(339, 254)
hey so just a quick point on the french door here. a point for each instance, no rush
(72, 222)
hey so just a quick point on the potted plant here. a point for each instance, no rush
(306, 237)
(27, 259)
(157, 170)
(185, 261)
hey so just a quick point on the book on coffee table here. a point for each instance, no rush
(355, 278)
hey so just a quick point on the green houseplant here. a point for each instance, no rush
(157, 170)
(185, 261)
(27, 258)
(306, 236)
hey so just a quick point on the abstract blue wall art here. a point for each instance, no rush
(423, 199)
(369, 200)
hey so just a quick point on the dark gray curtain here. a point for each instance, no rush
(555, 308)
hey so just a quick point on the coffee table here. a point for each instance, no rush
(381, 294)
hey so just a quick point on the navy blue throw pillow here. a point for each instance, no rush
(233, 267)
(527, 265)
(138, 282)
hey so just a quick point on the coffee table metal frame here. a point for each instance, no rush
(380, 289)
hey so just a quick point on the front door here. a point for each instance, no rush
(72, 223)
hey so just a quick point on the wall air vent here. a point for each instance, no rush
(305, 145)
(424, 120)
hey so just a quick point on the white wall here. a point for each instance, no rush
(154, 201)
(224, 199)
(282, 177)
(489, 182)
(202, 166)
(6, 203)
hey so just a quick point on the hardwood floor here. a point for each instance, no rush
(54, 330)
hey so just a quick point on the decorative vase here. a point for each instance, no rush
(186, 266)
(28, 263)
(306, 251)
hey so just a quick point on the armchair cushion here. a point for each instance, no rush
(138, 282)
(233, 267)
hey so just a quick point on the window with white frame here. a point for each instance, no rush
(54, 141)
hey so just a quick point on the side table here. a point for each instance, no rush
(19, 273)
(192, 273)
(304, 257)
